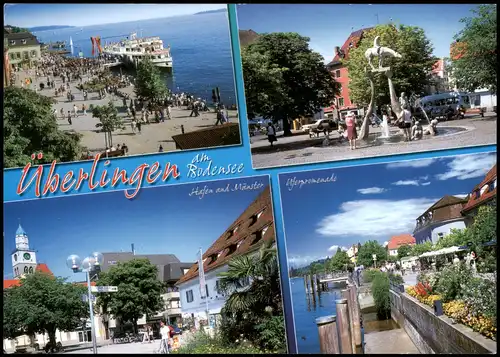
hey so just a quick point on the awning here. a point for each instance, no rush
(443, 251)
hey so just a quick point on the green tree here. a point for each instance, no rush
(474, 62)
(404, 251)
(457, 237)
(43, 304)
(419, 249)
(29, 126)
(340, 261)
(366, 251)
(410, 74)
(109, 121)
(139, 291)
(253, 305)
(285, 79)
(149, 85)
(316, 268)
(483, 229)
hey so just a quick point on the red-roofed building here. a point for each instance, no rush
(398, 241)
(341, 75)
(439, 81)
(245, 235)
(485, 193)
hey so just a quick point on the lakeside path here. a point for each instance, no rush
(153, 135)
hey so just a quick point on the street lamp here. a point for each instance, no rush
(77, 265)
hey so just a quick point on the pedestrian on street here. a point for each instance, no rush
(139, 124)
(69, 118)
(75, 110)
(165, 335)
(84, 109)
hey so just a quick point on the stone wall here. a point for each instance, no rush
(436, 334)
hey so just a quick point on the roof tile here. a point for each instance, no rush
(245, 239)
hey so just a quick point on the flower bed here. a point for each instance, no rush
(457, 310)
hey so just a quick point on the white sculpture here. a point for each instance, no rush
(431, 129)
(417, 131)
(380, 52)
(456, 260)
(403, 100)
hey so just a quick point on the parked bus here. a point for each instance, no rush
(437, 105)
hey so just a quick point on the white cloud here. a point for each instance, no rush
(424, 178)
(425, 184)
(465, 167)
(406, 183)
(411, 163)
(371, 190)
(300, 261)
(334, 248)
(365, 218)
(462, 195)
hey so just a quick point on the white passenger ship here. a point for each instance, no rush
(133, 50)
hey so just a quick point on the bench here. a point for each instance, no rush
(479, 111)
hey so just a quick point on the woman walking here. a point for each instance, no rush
(350, 122)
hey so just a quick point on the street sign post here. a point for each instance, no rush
(104, 289)
(85, 297)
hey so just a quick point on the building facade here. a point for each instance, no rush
(398, 241)
(439, 79)
(170, 270)
(343, 103)
(440, 219)
(245, 235)
(23, 48)
(24, 262)
(484, 193)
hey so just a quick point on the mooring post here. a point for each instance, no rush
(346, 294)
(356, 320)
(308, 289)
(305, 283)
(328, 334)
(343, 326)
(312, 289)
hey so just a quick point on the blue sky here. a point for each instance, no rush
(158, 221)
(31, 15)
(329, 25)
(372, 202)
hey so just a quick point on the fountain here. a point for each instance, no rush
(384, 128)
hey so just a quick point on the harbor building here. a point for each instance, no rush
(440, 219)
(244, 236)
(23, 48)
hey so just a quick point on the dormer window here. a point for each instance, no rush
(12, 42)
(23, 41)
(256, 217)
(213, 258)
(476, 194)
(484, 189)
(259, 235)
(238, 244)
(232, 232)
(231, 249)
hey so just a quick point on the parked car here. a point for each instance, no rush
(319, 126)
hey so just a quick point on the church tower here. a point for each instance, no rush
(23, 258)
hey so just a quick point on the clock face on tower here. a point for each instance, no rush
(26, 256)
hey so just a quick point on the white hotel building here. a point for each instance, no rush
(245, 236)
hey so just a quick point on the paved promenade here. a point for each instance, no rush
(300, 149)
(153, 135)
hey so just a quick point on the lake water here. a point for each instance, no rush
(305, 314)
(200, 48)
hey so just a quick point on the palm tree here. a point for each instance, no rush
(253, 284)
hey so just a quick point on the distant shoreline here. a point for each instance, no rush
(48, 28)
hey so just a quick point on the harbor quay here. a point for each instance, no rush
(151, 137)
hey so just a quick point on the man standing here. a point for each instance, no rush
(165, 335)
